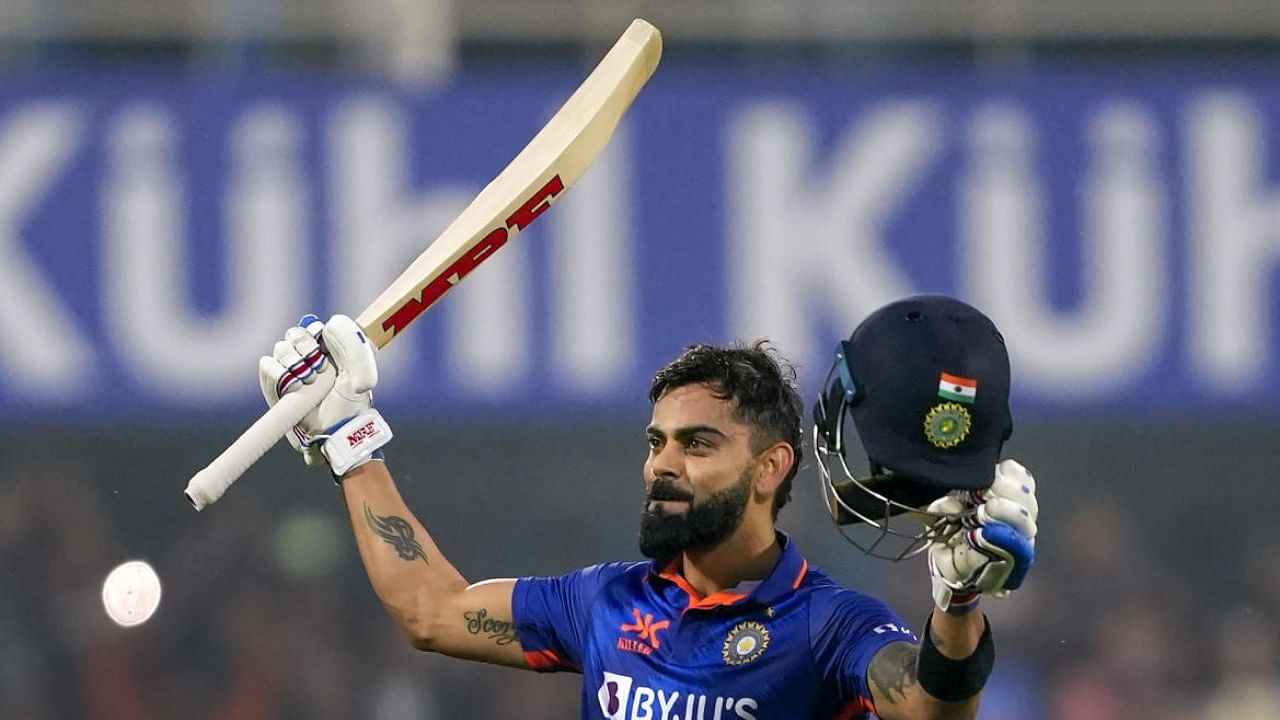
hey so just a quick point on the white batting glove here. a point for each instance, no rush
(988, 551)
(294, 361)
(344, 431)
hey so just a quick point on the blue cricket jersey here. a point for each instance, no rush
(649, 647)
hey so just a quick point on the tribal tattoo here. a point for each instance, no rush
(501, 632)
(894, 669)
(397, 532)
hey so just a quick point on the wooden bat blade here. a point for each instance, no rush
(552, 161)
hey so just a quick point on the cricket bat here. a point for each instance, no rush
(552, 161)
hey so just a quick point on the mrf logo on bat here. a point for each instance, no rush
(528, 211)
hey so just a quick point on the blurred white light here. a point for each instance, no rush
(131, 593)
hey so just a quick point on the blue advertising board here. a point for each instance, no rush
(157, 234)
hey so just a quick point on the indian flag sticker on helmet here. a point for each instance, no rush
(960, 389)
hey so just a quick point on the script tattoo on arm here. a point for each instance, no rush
(893, 670)
(501, 632)
(397, 532)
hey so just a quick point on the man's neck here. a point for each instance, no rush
(748, 554)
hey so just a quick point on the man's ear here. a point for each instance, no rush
(772, 467)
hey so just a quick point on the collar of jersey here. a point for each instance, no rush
(783, 580)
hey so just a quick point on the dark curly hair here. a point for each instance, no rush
(760, 382)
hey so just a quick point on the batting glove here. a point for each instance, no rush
(344, 431)
(987, 543)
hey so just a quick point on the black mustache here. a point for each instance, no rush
(660, 492)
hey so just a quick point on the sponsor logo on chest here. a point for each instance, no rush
(642, 635)
(621, 698)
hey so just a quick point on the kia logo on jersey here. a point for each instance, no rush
(621, 699)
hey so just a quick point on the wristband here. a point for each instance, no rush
(356, 441)
(955, 680)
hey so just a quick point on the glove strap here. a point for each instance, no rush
(962, 603)
(952, 599)
(356, 441)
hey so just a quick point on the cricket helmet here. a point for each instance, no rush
(925, 383)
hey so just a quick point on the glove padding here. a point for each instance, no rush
(300, 359)
(986, 542)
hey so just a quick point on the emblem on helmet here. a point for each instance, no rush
(745, 642)
(947, 425)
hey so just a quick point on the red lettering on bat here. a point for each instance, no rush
(441, 284)
(471, 259)
(536, 205)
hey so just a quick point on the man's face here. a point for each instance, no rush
(699, 473)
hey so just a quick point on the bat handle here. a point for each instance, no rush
(206, 486)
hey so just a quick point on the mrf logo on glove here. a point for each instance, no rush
(356, 441)
(368, 430)
(344, 431)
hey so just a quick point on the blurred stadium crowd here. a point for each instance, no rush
(1157, 593)
(1134, 611)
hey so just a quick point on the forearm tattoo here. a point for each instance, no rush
(397, 532)
(501, 632)
(894, 670)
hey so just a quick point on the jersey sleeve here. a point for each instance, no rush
(846, 630)
(553, 615)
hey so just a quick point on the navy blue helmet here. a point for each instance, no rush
(925, 382)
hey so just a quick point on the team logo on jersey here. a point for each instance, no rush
(947, 424)
(745, 642)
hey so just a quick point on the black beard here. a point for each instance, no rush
(703, 525)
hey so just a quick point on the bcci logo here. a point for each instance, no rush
(947, 425)
(745, 642)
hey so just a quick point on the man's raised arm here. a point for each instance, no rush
(952, 652)
(989, 554)
(428, 599)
